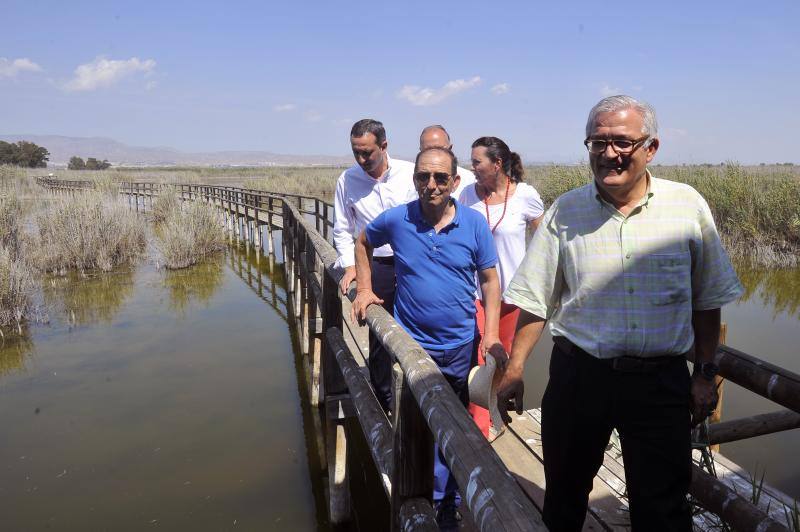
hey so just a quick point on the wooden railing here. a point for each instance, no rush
(426, 409)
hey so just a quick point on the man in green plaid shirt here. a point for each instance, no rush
(630, 275)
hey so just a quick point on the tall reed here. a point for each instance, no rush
(16, 290)
(166, 202)
(190, 234)
(87, 231)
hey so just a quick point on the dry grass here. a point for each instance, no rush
(11, 215)
(166, 202)
(190, 234)
(87, 231)
(16, 290)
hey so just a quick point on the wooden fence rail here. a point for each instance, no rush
(426, 409)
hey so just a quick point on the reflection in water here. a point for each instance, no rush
(13, 352)
(198, 282)
(84, 300)
(263, 275)
(777, 289)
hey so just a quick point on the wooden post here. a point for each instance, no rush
(412, 477)
(719, 381)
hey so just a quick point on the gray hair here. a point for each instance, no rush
(612, 104)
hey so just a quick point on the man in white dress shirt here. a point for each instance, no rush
(374, 184)
(436, 136)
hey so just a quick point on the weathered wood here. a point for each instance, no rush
(412, 471)
(735, 510)
(417, 515)
(767, 380)
(339, 406)
(338, 483)
(749, 427)
(719, 382)
(376, 427)
(490, 491)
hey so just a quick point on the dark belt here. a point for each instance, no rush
(384, 260)
(623, 364)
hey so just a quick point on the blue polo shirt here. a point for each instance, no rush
(435, 298)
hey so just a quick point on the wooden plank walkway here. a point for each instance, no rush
(520, 448)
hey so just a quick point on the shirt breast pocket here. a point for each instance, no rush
(670, 278)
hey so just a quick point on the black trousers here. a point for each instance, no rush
(584, 400)
(380, 362)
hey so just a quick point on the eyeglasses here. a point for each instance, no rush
(423, 178)
(620, 146)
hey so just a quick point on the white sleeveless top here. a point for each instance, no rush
(509, 237)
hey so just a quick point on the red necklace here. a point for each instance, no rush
(505, 204)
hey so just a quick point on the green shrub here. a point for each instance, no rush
(190, 234)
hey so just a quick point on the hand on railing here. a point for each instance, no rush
(364, 298)
(348, 277)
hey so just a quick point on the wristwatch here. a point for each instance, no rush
(707, 370)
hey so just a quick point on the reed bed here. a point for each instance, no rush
(166, 202)
(11, 214)
(16, 290)
(88, 231)
(190, 234)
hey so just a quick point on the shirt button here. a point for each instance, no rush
(430, 234)
(630, 290)
(634, 326)
(628, 256)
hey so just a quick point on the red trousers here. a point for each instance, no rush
(508, 326)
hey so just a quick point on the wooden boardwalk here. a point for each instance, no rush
(428, 411)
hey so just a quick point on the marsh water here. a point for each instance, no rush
(158, 399)
(175, 400)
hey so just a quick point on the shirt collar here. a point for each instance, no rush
(415, 213)
(651, 187)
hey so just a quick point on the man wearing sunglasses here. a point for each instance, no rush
(375, 183)
(438, 246)
(436, 136)
(630, 274)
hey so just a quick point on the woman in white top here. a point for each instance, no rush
(510, 208)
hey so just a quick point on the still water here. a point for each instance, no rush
(765, 323)
(157, 399)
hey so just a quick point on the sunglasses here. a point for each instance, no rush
(423, 178)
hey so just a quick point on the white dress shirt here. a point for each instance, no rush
(360, 198)
(467, 178)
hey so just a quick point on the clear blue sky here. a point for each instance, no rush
(291, 77)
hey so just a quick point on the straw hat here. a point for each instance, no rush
(482, 382)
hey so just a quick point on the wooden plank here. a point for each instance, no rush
(607, 504)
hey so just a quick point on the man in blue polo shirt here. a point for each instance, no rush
(438, 246)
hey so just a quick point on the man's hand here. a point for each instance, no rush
(364, 298)
(704, 398)
(511, 386)
(348, 277)
(493, 348)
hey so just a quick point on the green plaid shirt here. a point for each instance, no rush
(616, 285)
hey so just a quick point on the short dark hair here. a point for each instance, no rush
(369, 125)
(453, 165)
(497, 149)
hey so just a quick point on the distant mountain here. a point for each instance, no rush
(118, 154)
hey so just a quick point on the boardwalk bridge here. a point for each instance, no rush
(502, 483)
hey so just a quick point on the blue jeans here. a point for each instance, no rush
(455, 365)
